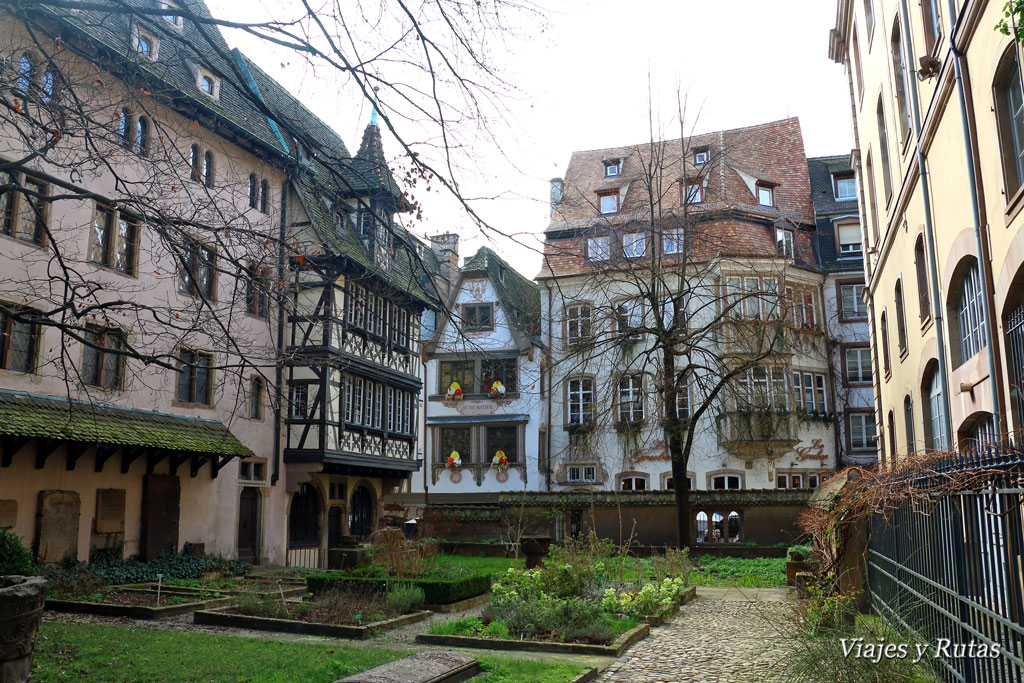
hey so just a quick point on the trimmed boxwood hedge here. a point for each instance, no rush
(435, 591)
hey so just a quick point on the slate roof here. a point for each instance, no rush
(515, 291)
(827, 207)
(34, 416)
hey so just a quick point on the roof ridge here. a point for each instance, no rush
(691, 137)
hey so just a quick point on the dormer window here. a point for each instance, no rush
(848, 235)
(609, 202)
(844, 186)
(784, 242)
(765, 195)
(173, 19)
(612, 168)
(694, 193)
(700, 157)
(146, 44)
(209, 84)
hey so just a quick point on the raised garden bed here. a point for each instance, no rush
(461, 605)
(224, 617)
(684, 597)
(136, 604)
(435, 591)
(225, 587)
(613, 649)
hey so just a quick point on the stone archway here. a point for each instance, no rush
(361, 512)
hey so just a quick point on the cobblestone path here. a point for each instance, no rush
(710, 640)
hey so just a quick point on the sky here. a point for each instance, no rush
(587, 76)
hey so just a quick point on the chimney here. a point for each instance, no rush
(556, 193)
(446, 247)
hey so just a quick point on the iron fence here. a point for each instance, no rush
(952, 570)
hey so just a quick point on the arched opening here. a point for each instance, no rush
(334, 531)
(886, 364)
(304, 518)
(1009, 119)
(193, 161)
(733, 527)
(208, 169)
(252, 190)
(908, 418)
(702, 526)
(934, 409)
(978, 432)
(1013, 324)
(26, 73)
(901, 321)
(124, 128)
(717, 527)
(360, 519)
(920, 268)
(264, 196)
(967, 333)
(141, 136)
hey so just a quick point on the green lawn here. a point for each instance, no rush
(738, 571)
(114, 654)
(484, 564)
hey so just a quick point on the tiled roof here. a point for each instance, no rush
(516, 293)
(369, 172)
(33, 416)
(827, 207)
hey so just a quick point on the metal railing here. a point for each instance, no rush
(953, 571)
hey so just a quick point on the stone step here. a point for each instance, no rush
(429, 666)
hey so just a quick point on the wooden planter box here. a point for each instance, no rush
(221, 617)
(614, 649)
(132, 611)
(793, 567)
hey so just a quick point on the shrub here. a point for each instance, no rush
(401, 598)
(798, 553)
(14, 557)
(458, 627)
(435, 591)
(651, 600)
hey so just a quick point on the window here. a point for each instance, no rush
(354, 402)
(169, 17)
(886, 365)
(761, 388)
(194, 377)
(114, 240)
(18, 340)
(299, 402)
(908, 418)
(784, 242)
(581, 401)
(672, 242)
(454, 439)
(803, 308)
(633, 483)
(253, 191)
(752, 297)
(869, 17)
(845, 186)
(796, 481)
(264, 197)
(634, 244)
(721, 482)
(256, 398)
(612, 168)
(581, 474)
(124, 128)
(50, 83)
(257, 288)
(872, 197)
(460, 371)
(923, 299)
(970, 314)
(898, 71)
(694, 193)
(26, 74)
(858, 365)
(209, 84)
(932, 25)
(862, 431)
(141, 145)
(901, 322)
(883, 149)
(700, 157)
(935, 419)
(146, 44)
(477, 317)
(198, 269)
(193, 162)
(849, 240)
(629, 318)
(599, 248)
(682, 395)
(502, 438)
(765, 195)
(631, 399)
(855, 53)
(208, 169)
(102, 358)
(809, 393)
(852, 301)
(609, 202)
(24, 209)
(504, 370)
(1010, 117)
(578, 324)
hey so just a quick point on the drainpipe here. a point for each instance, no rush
(981, 238)
(279, 369)
(929, 226)
(547, 432)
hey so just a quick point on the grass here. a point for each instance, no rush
(491, 565)
(738, 571)
(90, 653)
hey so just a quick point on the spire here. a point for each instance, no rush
(373, 113)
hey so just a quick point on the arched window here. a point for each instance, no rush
(264, 196)
(193, 161)
(892, 435)
(26, 73)
(733, 527)
(49, 84)
(208, 169)
(887, 367)
(124, 128)
(141, 136)
(717, 527)
(702, 526)
(900, 87)
(923, 300)
(1010, 120)
(901, 321)
(970, 314)
(252, 190)
(872, 199)
(932, 24)
(935, 411)
(908, 418)
(883, 149)
(983, 432)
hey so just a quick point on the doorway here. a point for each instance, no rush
(360, 521)
(249, 525)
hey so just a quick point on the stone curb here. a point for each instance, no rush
(620, 645)
(461, 605)
(133, 611)
(219, 617)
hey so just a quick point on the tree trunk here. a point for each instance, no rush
(682, 490)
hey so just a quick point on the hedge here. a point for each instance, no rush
(435, 591)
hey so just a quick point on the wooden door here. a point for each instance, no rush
(249, 525)
(161, 496)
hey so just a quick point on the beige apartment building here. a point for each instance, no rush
(936, 95)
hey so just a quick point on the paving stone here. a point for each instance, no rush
(422, 667)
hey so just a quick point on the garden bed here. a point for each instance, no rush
(136, 604)
(435, 591)
(224, 586)
(461, 605)
(224, 616)
(613, 649)
(684, 597)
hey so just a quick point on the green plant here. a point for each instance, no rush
(435, 591)
(458, 627)
(829, 610)
(14, 556)
(402, 597)
(798, 553)
(651, 600)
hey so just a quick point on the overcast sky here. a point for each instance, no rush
(584, 85)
